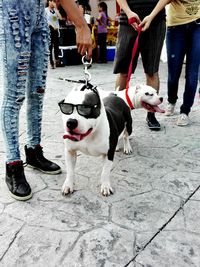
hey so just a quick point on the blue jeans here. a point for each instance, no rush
(24, 50)
(183, 40)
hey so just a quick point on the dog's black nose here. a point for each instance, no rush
(161, 99)
(72, 124)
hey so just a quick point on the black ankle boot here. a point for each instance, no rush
(36, 160)
(152, 122)
(16, 181)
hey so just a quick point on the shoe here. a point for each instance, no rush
(52, 66)
(16, 181)
(36, 160)
(152, 122)
(170, 109)
(182, 120)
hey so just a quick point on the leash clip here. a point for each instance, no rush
(86, 64)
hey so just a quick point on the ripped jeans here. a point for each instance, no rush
(24, 50)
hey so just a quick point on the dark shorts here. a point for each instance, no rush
(150, 47)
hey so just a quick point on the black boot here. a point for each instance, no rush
(16, 181)
(36, 160)
(152, 122)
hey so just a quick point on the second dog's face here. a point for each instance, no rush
(149, 98)
(81, 113)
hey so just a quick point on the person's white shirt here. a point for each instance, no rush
(52, 18)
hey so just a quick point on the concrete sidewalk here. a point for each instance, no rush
(153, 218)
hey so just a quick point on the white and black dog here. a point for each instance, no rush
(138, 96)
(93, 126)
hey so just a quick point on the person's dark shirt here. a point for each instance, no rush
(143, 9)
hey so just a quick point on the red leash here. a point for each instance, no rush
(135, 47)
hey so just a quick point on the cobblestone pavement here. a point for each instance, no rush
(153, 218)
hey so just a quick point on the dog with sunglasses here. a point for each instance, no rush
(93, 126)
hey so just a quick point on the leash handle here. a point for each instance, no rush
(131, 20)
(86, 64)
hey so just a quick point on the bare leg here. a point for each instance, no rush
(153, 81)
(121, 81)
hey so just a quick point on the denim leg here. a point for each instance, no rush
(176, 48)
(17, 26)
(192, 66)
(37, 78)
(16, 54)
(51, 46)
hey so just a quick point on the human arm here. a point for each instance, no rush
(83, 34)
(100, 18)
(130, 14)
(148, 19)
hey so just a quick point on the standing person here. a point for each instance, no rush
(150, 46)
(183, 39)
(53, 16)
(24, 53)
(102, 31)
(85, 9)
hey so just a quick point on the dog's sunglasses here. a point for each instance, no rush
(68, 108)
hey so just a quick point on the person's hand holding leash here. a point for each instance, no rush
(84, 41)
(146, 23)
(134, 20)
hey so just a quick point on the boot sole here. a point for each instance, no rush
(153, 128)
(47, 172)
(21, 198)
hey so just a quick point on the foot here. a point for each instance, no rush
(16, 181)
(35, 159)
(152, 122)
(106, 189)
(67, 188)
(182, 120)
(170, 109)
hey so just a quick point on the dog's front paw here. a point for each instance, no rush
(67, 189)
(106, 189)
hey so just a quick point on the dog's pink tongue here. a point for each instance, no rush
(76, 137)
(157, 109)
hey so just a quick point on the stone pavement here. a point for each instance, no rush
(153, 218)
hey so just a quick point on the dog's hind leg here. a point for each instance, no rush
(70, 159)
(127, 145)
(106, 188)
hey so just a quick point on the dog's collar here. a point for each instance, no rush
(128, 99)
(77, 137)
